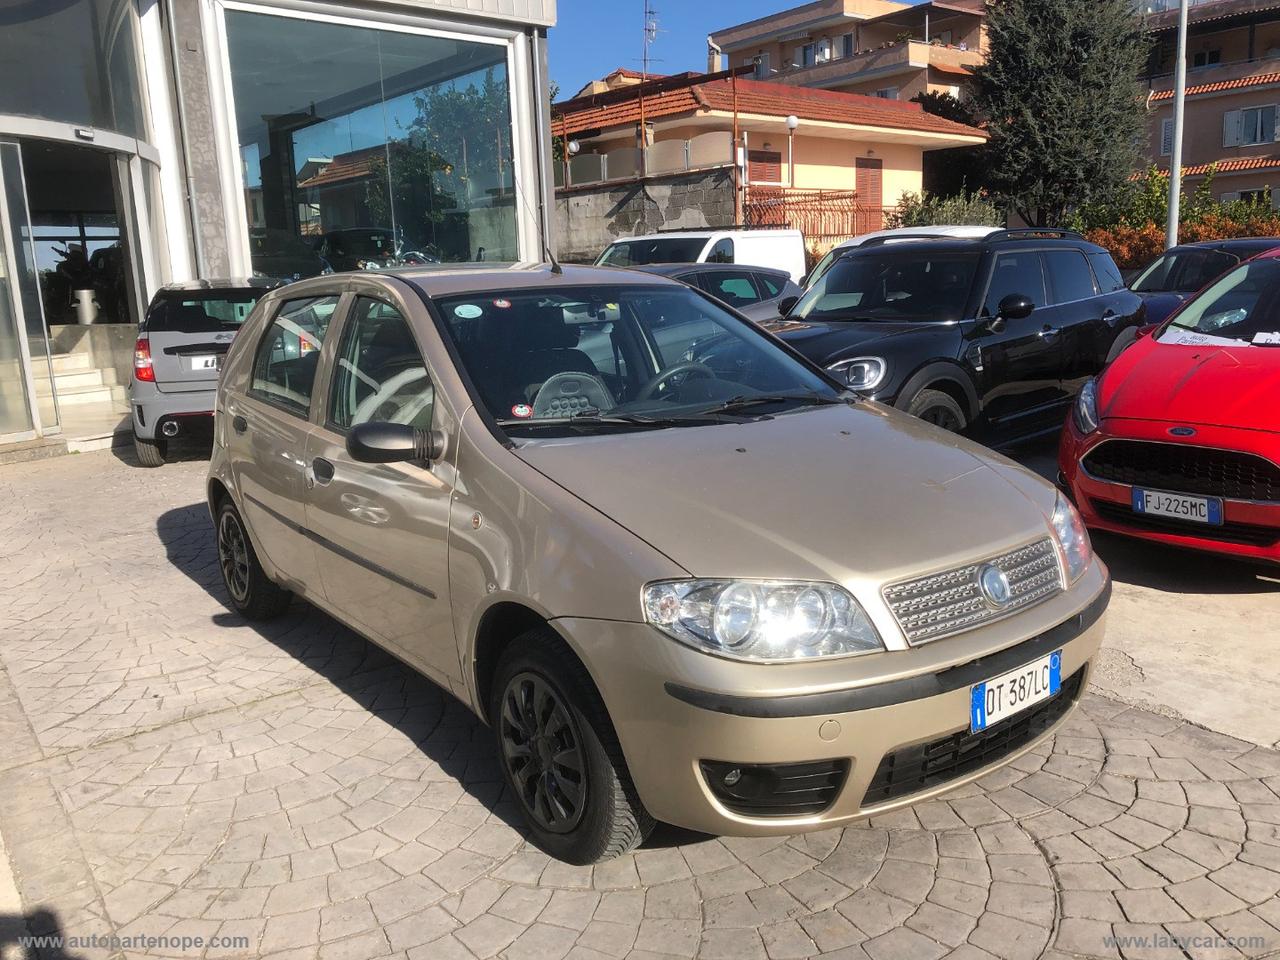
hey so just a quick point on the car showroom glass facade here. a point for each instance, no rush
(174, 139)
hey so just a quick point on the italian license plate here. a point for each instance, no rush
(1207, 510)
(1013, 692)
(206, 363)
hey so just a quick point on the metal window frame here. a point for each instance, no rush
(521, 106)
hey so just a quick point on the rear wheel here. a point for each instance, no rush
(252, 592)
(940, 409)
(150, 453)
(560, 755)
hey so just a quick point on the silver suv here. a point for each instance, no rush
(726, 595)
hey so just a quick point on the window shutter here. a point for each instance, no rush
(1166, 137)
(1275, 122)
(798, 59)
(1231, 128)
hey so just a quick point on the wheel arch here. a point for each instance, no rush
(949, 377)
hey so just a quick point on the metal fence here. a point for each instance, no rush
(823, 216)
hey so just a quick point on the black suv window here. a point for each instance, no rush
(1069, 276)
(1108, 274)
(901, 283)
(1022, 273)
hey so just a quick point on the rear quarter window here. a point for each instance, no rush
(1107, 273)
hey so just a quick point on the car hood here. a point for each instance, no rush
(852, 494)
(1225, 386)
(829, 341)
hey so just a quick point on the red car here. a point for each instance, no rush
(1178, 440)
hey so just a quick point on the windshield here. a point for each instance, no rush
(1183, 271)
(636, 354)
(1243, 306)
(903, 285)
(202, 313)
(634, 253)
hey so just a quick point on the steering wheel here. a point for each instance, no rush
(687, 367)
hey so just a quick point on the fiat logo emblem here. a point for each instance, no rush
(994, 585)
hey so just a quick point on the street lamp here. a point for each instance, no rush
(792, 122)
(1179, 98)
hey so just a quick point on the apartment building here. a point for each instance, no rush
(873, 47)
(1233, 94)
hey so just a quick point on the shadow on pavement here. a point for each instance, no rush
(367, 674)
(37, 935)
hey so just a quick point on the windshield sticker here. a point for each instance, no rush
(522, 410)
(467, 311)
(1194, 338)
(502, 304)
(1267, 337)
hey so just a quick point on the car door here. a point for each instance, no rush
(1082, 316)
(381, 530)
(269, 425)
(1019, 361)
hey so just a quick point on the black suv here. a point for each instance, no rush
(993, 336)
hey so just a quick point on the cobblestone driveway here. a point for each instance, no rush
(168, 769)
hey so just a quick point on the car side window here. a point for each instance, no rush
(771, 283)
(1108, 274)
(732, 287)
(1069, 276)
(284, 369)
(1021, 273)
(380, 374)
(722, 252)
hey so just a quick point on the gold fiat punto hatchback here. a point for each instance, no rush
(680, 571)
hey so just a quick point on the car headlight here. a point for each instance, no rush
(1085, 411)
(1073, 539)
(860, 373)
(761, 620)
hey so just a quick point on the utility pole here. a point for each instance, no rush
(1179, 99)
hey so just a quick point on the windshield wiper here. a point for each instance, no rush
(587, 419)
(745, 401)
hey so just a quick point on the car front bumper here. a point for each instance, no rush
(674, 709)
(1251, 529)
(149, 407)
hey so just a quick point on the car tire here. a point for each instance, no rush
(563, 761)
(940, 409)
(150, 453)
(251, 591)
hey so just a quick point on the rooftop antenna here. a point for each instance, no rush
(650, 35)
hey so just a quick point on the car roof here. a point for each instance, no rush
(940, 230)
(485, 278)
(707, 233)
(1006, 239)
(221, 283)
(1233, 243)
(671, 269)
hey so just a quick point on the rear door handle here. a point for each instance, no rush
(322, 470)
(239, 424)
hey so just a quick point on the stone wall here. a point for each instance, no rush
(588, 218)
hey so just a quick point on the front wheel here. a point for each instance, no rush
(938, 408)
(560, 755)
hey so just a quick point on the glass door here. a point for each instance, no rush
(18, 420)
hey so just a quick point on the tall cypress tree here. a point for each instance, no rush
(1063, 103)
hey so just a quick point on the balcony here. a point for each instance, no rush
(703, 152)
(894, 58)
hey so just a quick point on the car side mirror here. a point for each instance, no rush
(1014, 307)
(787, 304)
(382, 442)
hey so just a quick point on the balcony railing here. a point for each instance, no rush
(703, 152)
(895, 54)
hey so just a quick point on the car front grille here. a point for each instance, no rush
(1181, 468)
(919, 767)
(1229, 532)
(942, 604)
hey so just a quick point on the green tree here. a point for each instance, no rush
(1062, 101)
(953, 172)
(923, 210)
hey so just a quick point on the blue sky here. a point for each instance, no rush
(592, 37)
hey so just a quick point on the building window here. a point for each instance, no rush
(1258, 125)
(1205, 58)
(1261, 196)
(761, 62)
(808, 55)
(846, 45)
(764, 166)
(887, 93)
(824, 50)
(1166, 137)
(362, 146)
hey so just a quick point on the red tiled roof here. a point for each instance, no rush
(1242, 83)
(344, 167)
(1233, 165)
(680, 95)
(634, 74)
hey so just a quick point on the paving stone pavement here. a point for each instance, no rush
(170, 770)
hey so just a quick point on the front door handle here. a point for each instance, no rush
(322, 470)
(1049, 332)
(239, 424)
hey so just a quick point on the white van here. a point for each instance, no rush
(779, 249)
